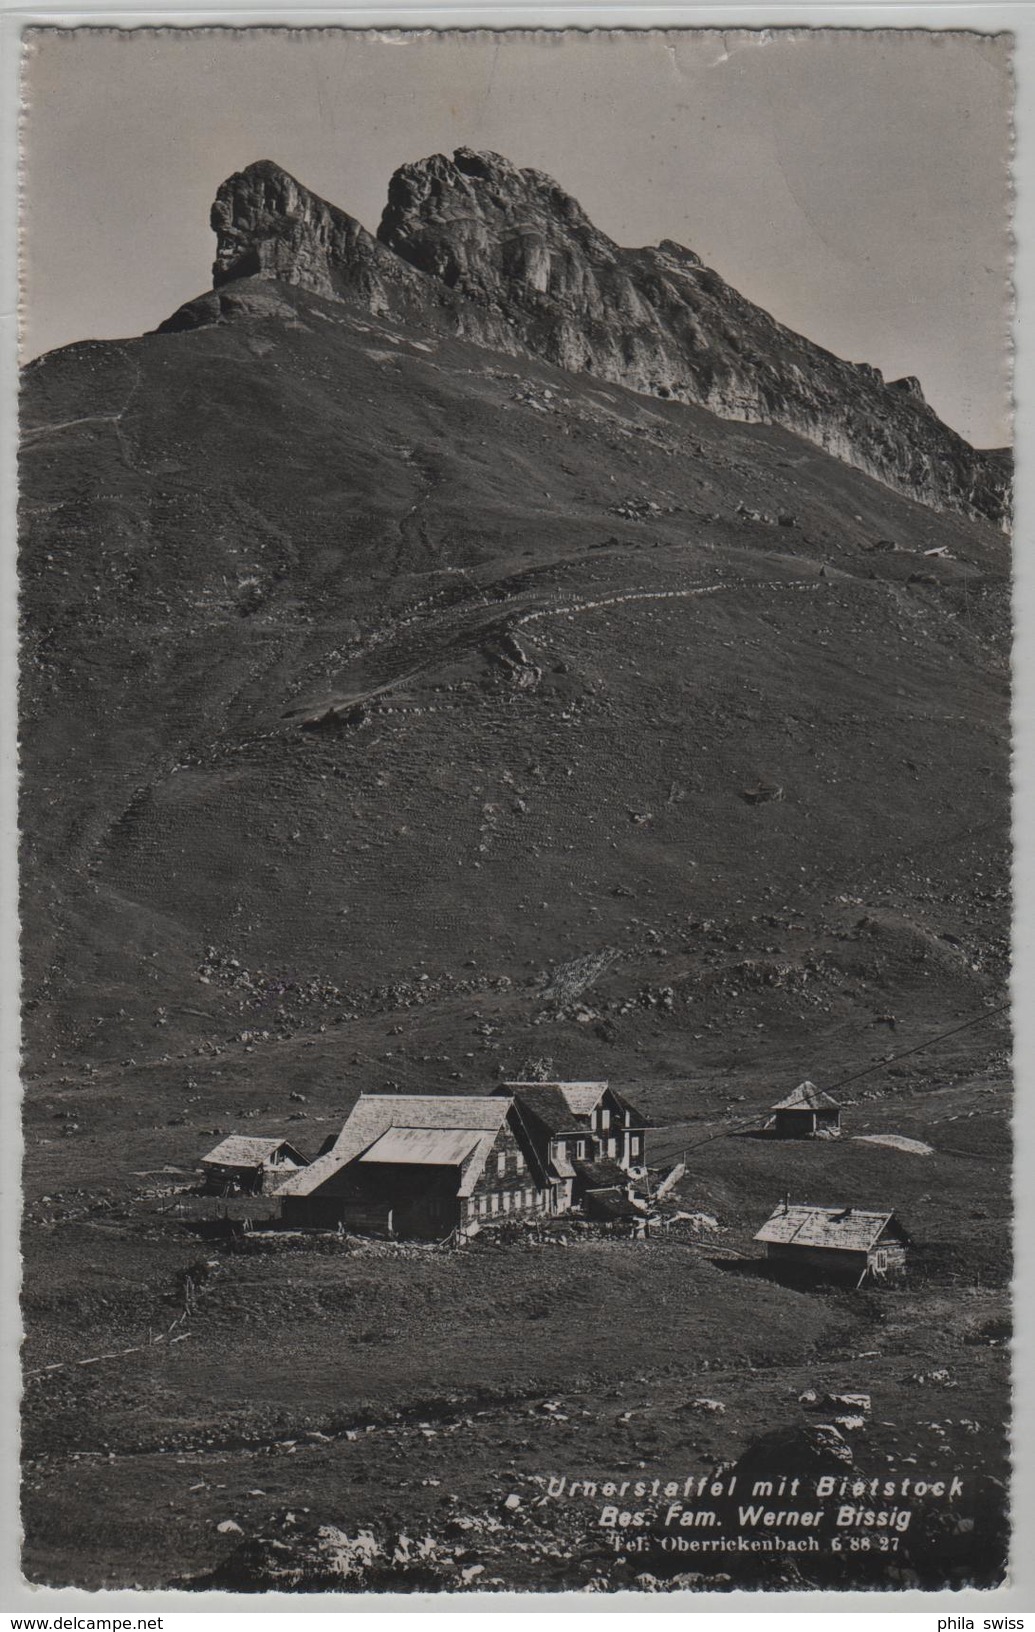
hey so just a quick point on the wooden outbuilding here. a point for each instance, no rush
(806, 1112)
(835, 1243)
(248, 1165)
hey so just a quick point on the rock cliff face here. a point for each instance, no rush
(506, 258)
(266, 225)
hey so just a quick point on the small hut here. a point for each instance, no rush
(835, 1243)
(247, 1166)
(805, 1112)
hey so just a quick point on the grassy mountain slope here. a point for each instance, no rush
(361, 658)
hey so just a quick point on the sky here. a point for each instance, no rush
(855, 184)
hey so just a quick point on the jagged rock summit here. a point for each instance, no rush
(474, 246)
(267, 225)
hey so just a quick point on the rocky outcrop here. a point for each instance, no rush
(505, 258)
(269, 226)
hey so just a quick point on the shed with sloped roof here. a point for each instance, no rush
(835, 1243)
(249, 1164)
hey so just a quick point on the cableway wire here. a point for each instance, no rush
(856, 1076)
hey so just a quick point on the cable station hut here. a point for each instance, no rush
(835, 1243)
(806, 1112)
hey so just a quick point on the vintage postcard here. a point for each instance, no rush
(515, 589)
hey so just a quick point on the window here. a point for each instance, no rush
(605, 1118)
(483, 1205)
(634, 1144)
(495, 1204)
(880, 1259)
(506, 1201)
(501, 1163)
(612, 1147)
(519, 1162)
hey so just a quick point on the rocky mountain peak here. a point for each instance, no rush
(268, 225)
(480, 224)
(501, 256)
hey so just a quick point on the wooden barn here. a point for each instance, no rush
(835, 1243)
(805, 1112)
(247, 1166)
(420, 1165)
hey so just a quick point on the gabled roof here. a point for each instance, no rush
(423, 1147)
(582, 1098)
(579, 1098)
(565, 1107)
(641, 1118)
(373, 1115)
(241, 1150)
(838, 1229)
(806, 1097)
(435, 1147)
(550, 1107)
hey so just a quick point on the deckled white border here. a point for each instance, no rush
(1015, 16)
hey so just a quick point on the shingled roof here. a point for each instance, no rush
(581, 1098)
(423, 1147)
(374, 1114)
(806, 1097)
(836, 1229)
(552, 1107)
(240, 1150)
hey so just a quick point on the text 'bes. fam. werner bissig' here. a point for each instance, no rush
(788, 1513)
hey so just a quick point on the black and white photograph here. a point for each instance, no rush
(514, 573)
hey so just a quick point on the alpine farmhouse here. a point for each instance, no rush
(424, 1165)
